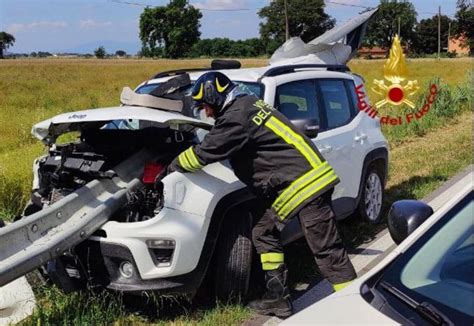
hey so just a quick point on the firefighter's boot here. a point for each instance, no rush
(276, 301)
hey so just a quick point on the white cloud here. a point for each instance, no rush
(90, 23)
(15, 28)
(221, 4)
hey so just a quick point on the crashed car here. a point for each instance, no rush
(170, 235)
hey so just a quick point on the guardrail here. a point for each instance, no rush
(38, 238)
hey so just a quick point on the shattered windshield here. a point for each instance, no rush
(246, 87)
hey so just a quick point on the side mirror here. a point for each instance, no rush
(405, 216)
(310, 127)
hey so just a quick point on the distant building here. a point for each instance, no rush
(375, 52)
(457, 44)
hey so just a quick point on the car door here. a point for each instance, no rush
(342, 140)
(329, 102)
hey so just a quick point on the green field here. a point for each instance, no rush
(423, 155)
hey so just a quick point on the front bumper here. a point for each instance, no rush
(99, 260)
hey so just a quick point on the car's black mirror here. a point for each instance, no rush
(310, 127)
(405, 216)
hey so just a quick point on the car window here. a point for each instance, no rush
(246, 87)
(251, 88)
(297, 100)
(353, 94)
(337, 107)
(438, 267)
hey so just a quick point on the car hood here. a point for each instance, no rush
(49, 130)
(341, 310)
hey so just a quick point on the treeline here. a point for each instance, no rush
(216, 47)
(173, 30)
(224, 47)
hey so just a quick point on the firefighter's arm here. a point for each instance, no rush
(224, 139)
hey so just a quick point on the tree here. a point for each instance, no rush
(6, 40)
(224, 47)
(306, 18)
(384, 25)
(42, 54)
(464, 26)
(426, 40)
(120, 53)
(100, 52)
(171, 29)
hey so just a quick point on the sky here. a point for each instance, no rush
(83, 25)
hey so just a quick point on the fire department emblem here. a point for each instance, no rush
(397, 91)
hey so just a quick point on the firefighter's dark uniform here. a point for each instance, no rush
(284, 169)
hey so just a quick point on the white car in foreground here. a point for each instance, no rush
(427, 279)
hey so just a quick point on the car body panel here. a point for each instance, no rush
(344, 147)
(72, 120)
(356, 308)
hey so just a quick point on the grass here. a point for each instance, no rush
(100, 308)
(422, 156)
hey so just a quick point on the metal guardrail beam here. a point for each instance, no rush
(36, 239)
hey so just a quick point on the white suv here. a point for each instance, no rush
(168, 238)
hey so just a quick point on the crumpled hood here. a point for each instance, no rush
(49, 130)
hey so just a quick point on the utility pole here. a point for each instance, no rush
(439, 32)
(287, 25)
(449, 34)
(398, 26)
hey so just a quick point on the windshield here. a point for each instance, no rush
(439, 267)
(246, 87)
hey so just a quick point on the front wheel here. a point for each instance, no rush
(370, 204)
(234, 257)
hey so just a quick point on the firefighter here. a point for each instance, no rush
(284, 169)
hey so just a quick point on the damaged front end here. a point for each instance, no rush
(105, 138)
(69, 166)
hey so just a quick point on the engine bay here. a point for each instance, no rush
(69, 166)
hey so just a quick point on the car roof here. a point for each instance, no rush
(246, 74)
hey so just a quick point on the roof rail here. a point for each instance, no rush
(215, 65)
(286, 69)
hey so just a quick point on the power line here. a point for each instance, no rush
(141, 4)
(346, 4)
(235, 9)
(130, 3)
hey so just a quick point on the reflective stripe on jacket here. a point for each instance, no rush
(266, 152)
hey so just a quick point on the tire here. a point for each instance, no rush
(234, 257)
(370, 204)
